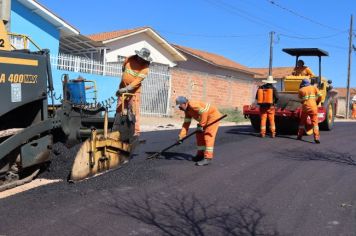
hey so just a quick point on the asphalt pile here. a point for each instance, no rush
(135, 173)
(62, 159)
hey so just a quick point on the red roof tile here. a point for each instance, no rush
(342, 92)
(277, 72)
(113, 34)
(214, 59)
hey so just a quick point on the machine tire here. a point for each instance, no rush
(328, 123)
(255, 122)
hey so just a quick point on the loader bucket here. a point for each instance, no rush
(99, 154)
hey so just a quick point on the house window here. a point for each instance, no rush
(121, 59)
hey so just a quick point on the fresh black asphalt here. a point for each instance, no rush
(254, 186)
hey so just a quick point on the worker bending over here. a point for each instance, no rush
(205, 114)
(267, 97)
(310, 97)
(134, 70)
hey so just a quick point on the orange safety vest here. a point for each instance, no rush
(200, 112)
(134, 73)
(310, 96)
(265, 96)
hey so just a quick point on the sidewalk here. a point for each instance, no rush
(167, 123)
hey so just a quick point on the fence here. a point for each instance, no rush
(155, 88)
(84, 65)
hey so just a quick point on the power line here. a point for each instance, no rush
(301, 16)
(312, 38)
(246, 15)
(212, 35)
(320, 43)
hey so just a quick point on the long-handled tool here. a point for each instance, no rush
(157, 154)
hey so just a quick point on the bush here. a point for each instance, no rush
(233, 115)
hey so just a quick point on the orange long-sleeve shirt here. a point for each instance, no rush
(311, 97)
(202, 112)
(303, 70)
(134, 73)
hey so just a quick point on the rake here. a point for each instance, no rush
(157, 154)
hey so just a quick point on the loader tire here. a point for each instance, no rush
(328, 123)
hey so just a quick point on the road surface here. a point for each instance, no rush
(254, 186)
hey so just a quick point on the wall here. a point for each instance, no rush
(106, 85)
(43, 33)
(341, 109)
(224, 92)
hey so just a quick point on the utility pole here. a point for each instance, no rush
(5, 12)
(270, 53)
(349, 73)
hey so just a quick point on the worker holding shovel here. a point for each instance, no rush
(205, 114)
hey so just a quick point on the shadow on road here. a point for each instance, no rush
(188, 215)
(244, 130)
(314, 155)
(172, 156)
(249, 131)
(293, 138)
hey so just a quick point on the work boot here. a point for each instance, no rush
(203, 162)
(197, 158)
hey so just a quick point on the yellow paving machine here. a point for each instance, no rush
(29, 125)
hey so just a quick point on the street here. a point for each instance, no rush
(254, 186)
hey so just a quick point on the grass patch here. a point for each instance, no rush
(233, 115)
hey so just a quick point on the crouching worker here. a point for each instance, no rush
(267, 97)
(311, 97)
(205, 114)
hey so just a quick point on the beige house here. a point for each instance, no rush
(123, 43)
(341, 93)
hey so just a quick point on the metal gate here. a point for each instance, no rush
(156, 90)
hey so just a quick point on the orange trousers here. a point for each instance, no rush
(134, 102)
(206, 140)
(313, 114)
(267, 112)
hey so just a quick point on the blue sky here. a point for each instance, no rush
(236, 29)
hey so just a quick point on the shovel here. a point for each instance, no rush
(157, 154)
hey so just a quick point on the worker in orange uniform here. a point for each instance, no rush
(302, 70)
(205, 114)
(134, 70)
(353, 108)
(267, 97)
(311, 97)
